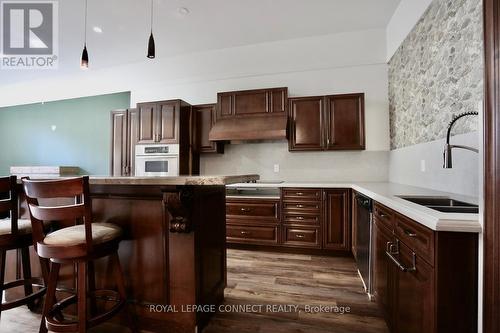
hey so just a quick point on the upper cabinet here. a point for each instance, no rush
(334, 122)
(249, 103)
(159, 122)
(205, 120)
(345, 122)
(306, 120)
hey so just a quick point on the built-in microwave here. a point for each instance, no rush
(157, 160)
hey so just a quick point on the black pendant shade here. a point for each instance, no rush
(85, 58)
(151, 47)
(84, 64)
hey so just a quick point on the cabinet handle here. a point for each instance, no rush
(299, 206)
(409, 233)
(245, 210)
(245, 233)
(391, 254)
(299, 193)
(382, 215)
(299, 236)
(299, 217)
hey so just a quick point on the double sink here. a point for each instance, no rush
(444, 204)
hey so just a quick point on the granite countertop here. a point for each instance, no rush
(388, 194)
(180, 180)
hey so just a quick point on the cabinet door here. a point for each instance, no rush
(119, 153)
(167, 125)
(205, 119)
(252, 102)
(147, 122)
(382, 271)
(345, 124)
(306, 124)
(414, 295)
(133, 133)
(336, 222)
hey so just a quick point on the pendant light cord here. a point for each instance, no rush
(152, 16)
(85, 32)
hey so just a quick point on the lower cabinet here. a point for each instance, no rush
(253, 221)
(423, 280)
(302, 218)
(336, 229)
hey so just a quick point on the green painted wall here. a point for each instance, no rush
(81, 137)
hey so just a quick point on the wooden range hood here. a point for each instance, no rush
(250, 129)
(251, 115)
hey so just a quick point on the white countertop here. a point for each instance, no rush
(387, 194)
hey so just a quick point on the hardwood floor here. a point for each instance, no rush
(266, 279)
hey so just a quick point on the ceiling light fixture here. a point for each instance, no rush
(97, 29)
(84, 64)
(151, 43)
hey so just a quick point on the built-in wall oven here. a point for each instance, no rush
(157, 160)
(364, 221)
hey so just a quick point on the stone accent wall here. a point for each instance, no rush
(436, 73)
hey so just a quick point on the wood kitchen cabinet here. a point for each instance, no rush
(205, 120)
(336, 222)
(253, 221)
(344, 122)
(306, 121)
(124, 136)
(382, 272)
(423, 280)
(165, 122)
(334, 122)
(304, 219)
(247, 103)
(160, 122)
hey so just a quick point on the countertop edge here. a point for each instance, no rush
(437, 221)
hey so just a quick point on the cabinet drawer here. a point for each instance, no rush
(384, 215)
(295, 206)
(300, 194)
(417, 237)
(253, 210)
(252, 234)
(301, 218)
(301, 237)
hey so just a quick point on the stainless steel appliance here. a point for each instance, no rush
(157, 160)
(364, 220)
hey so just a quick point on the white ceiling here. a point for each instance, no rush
(210, 24)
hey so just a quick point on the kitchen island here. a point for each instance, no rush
(174, 249)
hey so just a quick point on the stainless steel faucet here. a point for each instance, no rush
(447, 156)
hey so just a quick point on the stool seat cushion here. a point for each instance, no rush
(75, 235)
(23, 226)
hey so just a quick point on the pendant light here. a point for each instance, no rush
(84, 64)
(151, 43)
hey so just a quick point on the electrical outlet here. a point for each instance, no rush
(276, 168)
(422, 165)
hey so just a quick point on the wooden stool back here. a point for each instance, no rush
(10, 204)
(80, 211)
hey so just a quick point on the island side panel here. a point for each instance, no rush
(210, 233)
(197, 252)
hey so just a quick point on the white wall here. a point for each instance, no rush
(402, 22)
(340, 63)
(405, 166)
(306, 166)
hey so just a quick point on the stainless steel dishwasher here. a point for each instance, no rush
(364, 239)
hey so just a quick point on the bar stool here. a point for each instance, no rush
(15, 234)
(79, 245)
